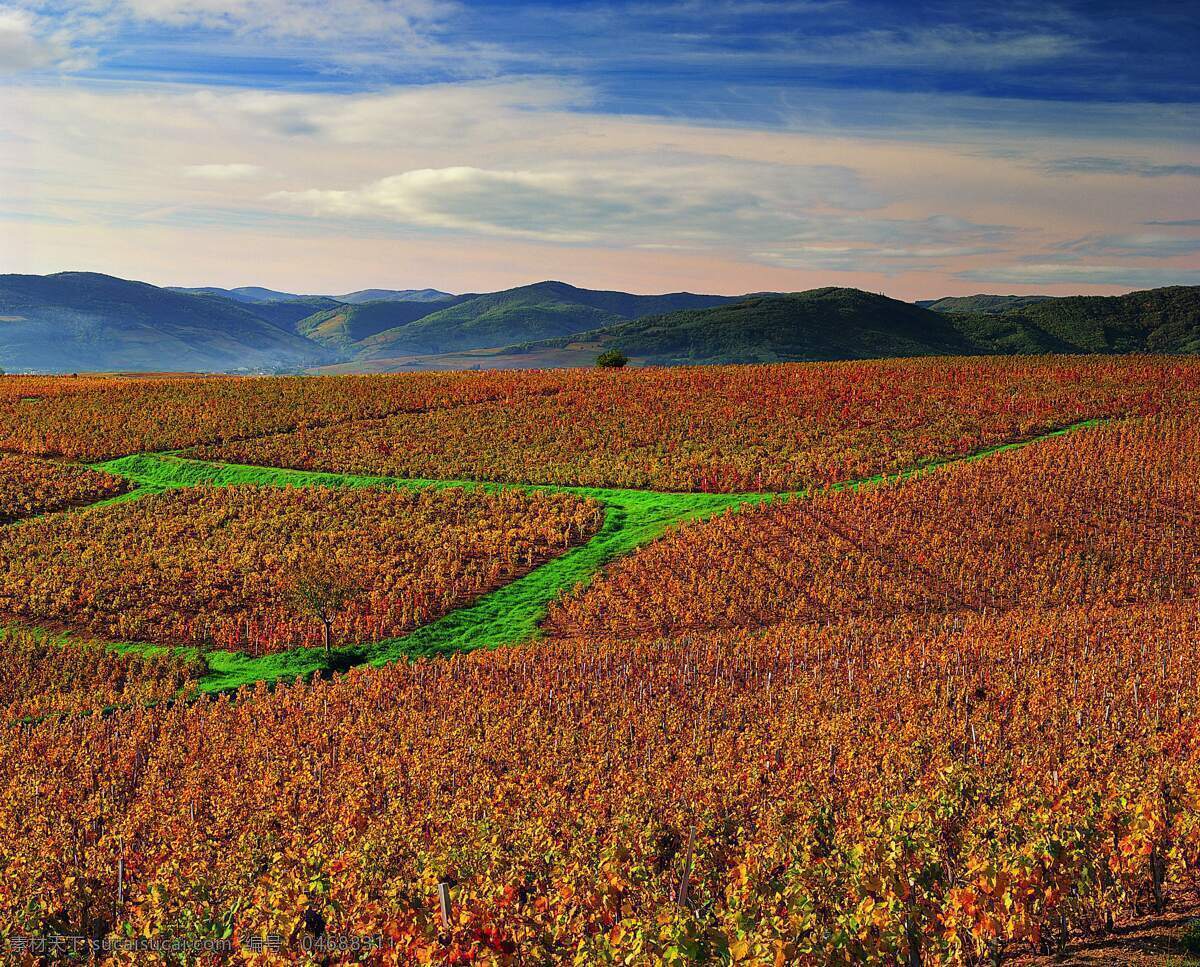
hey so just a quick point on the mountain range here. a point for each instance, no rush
(84, 321)
(80, 321)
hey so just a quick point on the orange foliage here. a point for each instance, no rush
(29, 487)
(1106, 514)
(972, 784)
(213, 565)
(954, 719)
(735, 428)
(95, 418)
(41, 676)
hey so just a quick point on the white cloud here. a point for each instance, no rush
(222, 172)
(278, 18)
(701, 201)
(22, 46)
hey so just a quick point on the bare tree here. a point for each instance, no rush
(321, 594)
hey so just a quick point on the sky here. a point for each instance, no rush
(322, 146)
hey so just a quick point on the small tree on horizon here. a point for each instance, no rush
(611, 359)
(322, 594)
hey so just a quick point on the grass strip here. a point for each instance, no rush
(508, 615)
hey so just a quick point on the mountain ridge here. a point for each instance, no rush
(75, 321)
(840, 323)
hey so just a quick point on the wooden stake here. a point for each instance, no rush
(444, 900)
(685, 874)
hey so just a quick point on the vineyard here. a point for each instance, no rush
(725, 430)
(30, 487)
(861, 663)
(44, 676)
(214, 566)
(98, 418)
(1105, 515)
(969, 785)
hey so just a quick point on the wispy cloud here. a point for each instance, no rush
(29, 43)
(1051, 273)
(949, 46)
(693, 201)
(322, 19)
(320, 37)
(887, 245)
(1144, 245)
(1119, 166)
(222, 172)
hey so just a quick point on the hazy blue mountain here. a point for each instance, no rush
(246, 293)
(76, 321)
(394, 295)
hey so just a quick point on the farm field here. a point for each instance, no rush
(29, 487)
(44, 675)
(886, 662)
(214, 565)
(1107, 514)
(726, 429)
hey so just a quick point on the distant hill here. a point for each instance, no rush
(246, 293)
(1163, 320)
(528, 313)
(829, 323)
(342, 326)
(394, 295)
(981, 303)
(84, 321)
(254, 294)
(288, 313)
(836, 323)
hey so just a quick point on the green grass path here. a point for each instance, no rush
(508, 615)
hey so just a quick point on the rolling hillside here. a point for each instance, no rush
(830, 323)
(1155, 321)
(84, 321)
(528, 313)
(981, 303)
(288, 313)
(342, 326)
(394, 295)
(834, 323)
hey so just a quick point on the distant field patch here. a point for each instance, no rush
(29, 487)
(1105, 516)
(222, 566)
(42, 675)
(727, 429)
